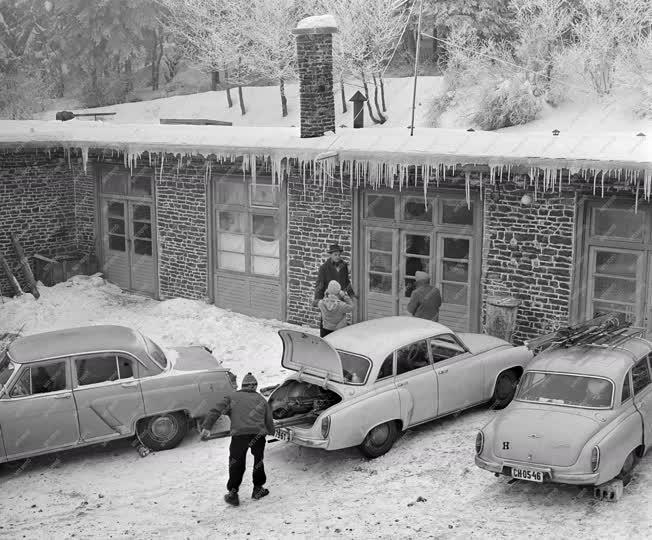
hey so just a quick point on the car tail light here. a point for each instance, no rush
(595, 458)
(325, 426)
(479, 442)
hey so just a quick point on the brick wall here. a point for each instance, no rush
(528, 253)
(182, 230)
(316, 219)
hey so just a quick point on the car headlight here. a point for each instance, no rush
(595, 458)
(325, 426)
(479, 442)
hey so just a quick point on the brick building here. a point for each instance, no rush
(242, 217)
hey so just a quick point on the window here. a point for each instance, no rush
(156, 353)
(640, 375)
(456, 212)
(564, 389)
(122, 181)
(7, 369)
(444, 347)
(417, 209)
(103, 368)
(355, 367)
(380, 206)
(142, 223)
(455, 270)
(411, 357)
(627, 390)
(40, 380)
(387, 369)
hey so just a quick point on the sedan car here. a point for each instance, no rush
(364, 384)
(582, 415)
(81, 386)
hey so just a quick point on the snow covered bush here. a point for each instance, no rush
(510, 102)
(634, 71)
(21, 95)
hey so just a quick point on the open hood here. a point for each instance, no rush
(310, 354)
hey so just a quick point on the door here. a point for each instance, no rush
(381, 265)
(39, 414)
(108, 395)
(454, 280)
(129, 258)
(460, 376)
(416, 253)
(416, 377)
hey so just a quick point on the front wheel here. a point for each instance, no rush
(164, 431)
(505, 389)
(379, 440)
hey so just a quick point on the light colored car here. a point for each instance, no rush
(364, 384)
(81, 386)
(582, 415)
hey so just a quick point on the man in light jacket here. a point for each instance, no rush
(251, 420)
(425, 300)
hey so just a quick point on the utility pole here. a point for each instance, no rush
(416, 67)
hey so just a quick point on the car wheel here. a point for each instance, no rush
(379, 440)
(505, 389)
(164, 431)
(628, 468)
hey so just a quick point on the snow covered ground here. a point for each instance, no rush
(110, 492)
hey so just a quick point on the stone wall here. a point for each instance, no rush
(316, 219)
(528, 253)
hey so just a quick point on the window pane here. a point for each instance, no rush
(142, 212)
(627, 391)
(456, 271)
(265, 225)
(620, 264)
(606, 307)
(126, 370)
(96, 369)
(141, 185)
(623, 223)
(412, 357)
(116, 243)
(267, 266)
(233, 221)
(456, 248)
(380, 206)
(415, 264)
(417, 244)
(620, 290)
(231, 242)
(264, 246)
(116, 226)
(387, 369)
(409, 286)
(115, 181)
(445, 347)
(457, 213)
(452, 293)
(143, 247)
(264, 195)
(640, 375)
(232, 192)
(416, 209)
(48, 378)
(142, 230)
(381, 240)
(380, 283)
(380, 262)
(116, 209)
(231, 261)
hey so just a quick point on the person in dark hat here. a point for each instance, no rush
(251, 420)
(332, 269)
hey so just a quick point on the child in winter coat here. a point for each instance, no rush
(334, 307)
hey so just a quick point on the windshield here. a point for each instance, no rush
(7, 368)
(355, 368)
(156, 353)
(566, 389)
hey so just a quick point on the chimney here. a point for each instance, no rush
(315, 67)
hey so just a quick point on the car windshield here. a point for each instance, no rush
(156, 353)
(355, 367)
(7, 368)
(566, 389)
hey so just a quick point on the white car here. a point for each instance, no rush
(364, 384)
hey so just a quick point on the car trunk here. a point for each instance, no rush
(299, 403)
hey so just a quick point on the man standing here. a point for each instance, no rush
(425, 300)
(332, 269)
(251, 421)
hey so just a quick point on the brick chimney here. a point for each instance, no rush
(315, 67)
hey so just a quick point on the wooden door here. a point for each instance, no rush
(416, 254)
(454, 270)
(142, 262)
(381, 272)
(115, 231)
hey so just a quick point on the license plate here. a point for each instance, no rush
(283, 434)
(527, 474)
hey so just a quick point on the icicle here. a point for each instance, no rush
(467, 189)
(161, 172)
(84, 157)
(490, 171)
(636, 200)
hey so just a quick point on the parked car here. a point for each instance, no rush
(582, 415)
(81, 386)
(364, 384)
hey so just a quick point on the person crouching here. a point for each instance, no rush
(334, 307)
(251, 420)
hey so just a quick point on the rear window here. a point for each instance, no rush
(355, 367)
(156, 353)
(566, 389)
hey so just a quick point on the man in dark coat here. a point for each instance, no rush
(332, 269)
(425, 300)
(251, 420)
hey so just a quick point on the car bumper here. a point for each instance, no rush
(289, 435)
(551, 474)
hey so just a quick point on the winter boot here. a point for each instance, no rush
(232, 497)
(259, 492)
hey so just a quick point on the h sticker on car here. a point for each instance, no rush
(505, 445)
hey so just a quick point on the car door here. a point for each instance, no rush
(642, 382)
(460, 375)
(417, 382)
(108, 395)
(38, 413)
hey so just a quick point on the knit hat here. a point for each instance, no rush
(249, 380)
(334, 288)
(421, 276)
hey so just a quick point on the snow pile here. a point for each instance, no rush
(317, 21)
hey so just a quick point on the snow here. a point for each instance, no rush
(178, 493)
(318, 21)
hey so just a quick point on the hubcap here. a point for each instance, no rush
(163, 428)
(379, 435)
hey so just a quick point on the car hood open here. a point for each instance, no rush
(310, 354)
